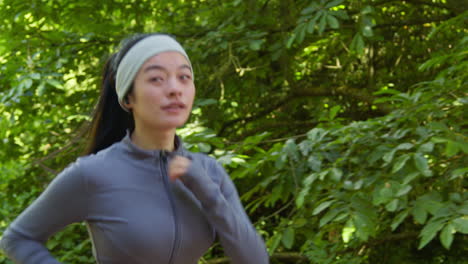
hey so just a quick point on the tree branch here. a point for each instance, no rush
(377, 242)
(277, 125)
(412, 22)
(414, 2)
(358, 94)
(255, 116)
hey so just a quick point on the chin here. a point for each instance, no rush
(173, 124)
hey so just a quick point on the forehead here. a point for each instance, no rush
(167, 59)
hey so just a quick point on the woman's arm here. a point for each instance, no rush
(225, 212)
(62, 203)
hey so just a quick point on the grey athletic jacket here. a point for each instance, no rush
(135, 215)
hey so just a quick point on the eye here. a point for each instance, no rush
(185, 77)
(156, 79)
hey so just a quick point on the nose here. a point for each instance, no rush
(174, 87)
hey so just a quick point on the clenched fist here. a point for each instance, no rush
(178, 166)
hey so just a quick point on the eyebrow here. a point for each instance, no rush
(159, 67)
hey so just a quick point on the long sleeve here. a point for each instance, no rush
(225, 212)
(62, 203)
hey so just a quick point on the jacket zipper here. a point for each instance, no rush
(165, 176)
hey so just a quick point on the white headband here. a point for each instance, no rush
(137, 55)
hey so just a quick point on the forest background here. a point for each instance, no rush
(341, 122)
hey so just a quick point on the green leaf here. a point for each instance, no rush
(419, 214)
(429, 232)
(203, 147)
(341, 217)
(382, 195)
(288, 237)
(314, 163)
(334, 111)
(301, 33)
(398, 219)
(27, 83)
(55, 83)
(41, 89)
(301, 197)
(323, 174)
(451, 148)
(322, 23)
(336, 174)
(333, 22)
(367, 10)
(322, 207)
(329, 216)
(376, 154)
(305, 190)
(358, 184)
(348, 231)
(421, 164)
(310, 26)
(35, 76)
(455, 197)
(427, 147)
(305, 147)
(310, 9)
(459, 173)
(291, 149)
(461, 225)
(274, 242)
(439, 139)
(463, 146)
(410, 177)
(341, 14)
(276, 194)
(310, 179)
(446, 236)
(256, 44)
(367, 31)
(399, 163)
(392, 206)
(404, 189)
(404, 146)
(388, 157)
(333, 3)
(317, 134)
(291, 40)
(433, 207)
(364, 225)
(463, 208)
(357, 44)
(300, 222)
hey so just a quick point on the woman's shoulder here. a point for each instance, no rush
(105, 155)
(100, 163)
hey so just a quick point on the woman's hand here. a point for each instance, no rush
(178, 166)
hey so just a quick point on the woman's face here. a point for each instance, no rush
(163, 92)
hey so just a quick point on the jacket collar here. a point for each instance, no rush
(138, 152)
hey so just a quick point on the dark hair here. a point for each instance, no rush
(110, 122)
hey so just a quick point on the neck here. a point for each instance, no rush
(151, 140)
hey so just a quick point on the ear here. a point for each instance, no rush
(127, 102)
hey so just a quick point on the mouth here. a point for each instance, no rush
(175, 106)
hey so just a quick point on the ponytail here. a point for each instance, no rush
(110, 122)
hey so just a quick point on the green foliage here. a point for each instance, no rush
(341, 122)
(366, 181)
